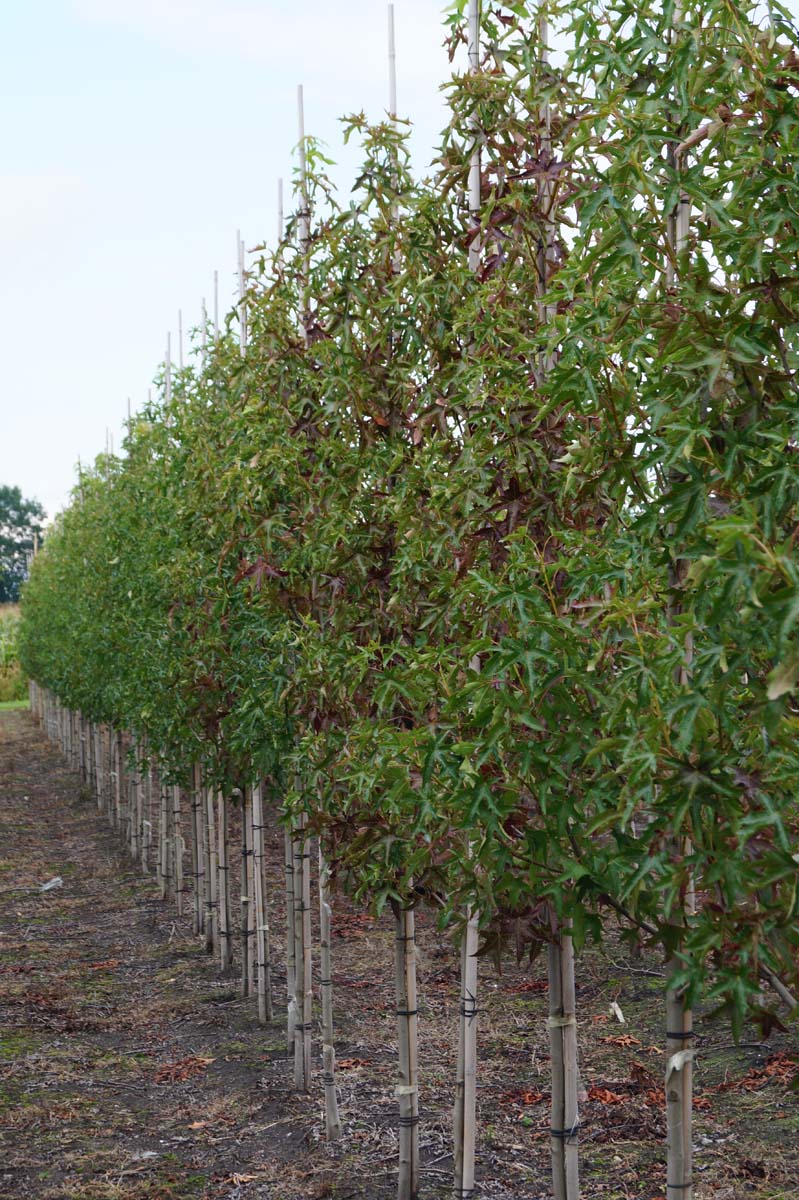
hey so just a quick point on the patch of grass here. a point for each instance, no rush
(13, 705)
(14, 1045)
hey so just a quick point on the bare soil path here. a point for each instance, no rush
(129, 1070)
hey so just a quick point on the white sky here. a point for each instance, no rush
(137, 137)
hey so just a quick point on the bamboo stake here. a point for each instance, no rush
(407, 1035)
(98, 773)
(246, 906)
(563, 1056)
(332, 1119)
(119, 782)
(197, 872)
(302, 870)
(560, 957)
(262, 947)
(225, 931)
(302, 960)
(464, 1123)
(178, 848)
(212, 938)
(466, 1092)
(147, 822)
(168, 369)
(304, 220)
(679, 1018)
(242, 296)
(164, 840)
(216, 306)
(291, 1016)
(407, 1090)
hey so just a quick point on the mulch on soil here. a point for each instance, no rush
(130, 1070)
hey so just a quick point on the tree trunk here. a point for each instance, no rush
(466, 1091)
(291, 1016)
(563, 1059)
(679, 1093)
(332, 1119)
(225, 915)
(212, 939)
(178, 847)
(246, 891)
(407, 1037)
(302, 957)
(262, 947)
(197, 857)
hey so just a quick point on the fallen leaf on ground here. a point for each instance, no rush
(524, 1096)
(176, 1072)
(605, 1096)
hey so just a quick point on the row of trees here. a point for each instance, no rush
(480, 546)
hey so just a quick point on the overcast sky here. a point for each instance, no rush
(137, 137)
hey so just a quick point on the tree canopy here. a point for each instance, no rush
(494, 572)
(21, 523)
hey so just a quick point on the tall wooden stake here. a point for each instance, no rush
(177, 849)
(408, 1039)
(291, 979)
(465, 1121)
(168, 369)
(332, 1119)
(302, 867)
(560, 957)
(225, 915)
(246, 892)
(563, 1063)
(302, 957)
(242, 297)
(212, 939)
(263, 961)
(197, 855)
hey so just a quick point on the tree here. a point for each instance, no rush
(21, 524)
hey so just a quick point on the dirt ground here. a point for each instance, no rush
(129, 1070)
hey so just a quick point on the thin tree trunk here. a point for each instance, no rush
(466, 1091)
(407, 1036)
(679, 1092)
(563, 1059)
(679, 1019)
(118, 780)
(332, 1119)
(262, 947)
(178, 846)
(212, 922)
(148, 824)
(291, 1015)
(98, 772)
(164, 839)
(464, 1124)
(225, 916)
(197, 856)
(246, 894)
(302, 957)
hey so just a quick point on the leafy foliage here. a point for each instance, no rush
(21, 523)
(494, 574)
